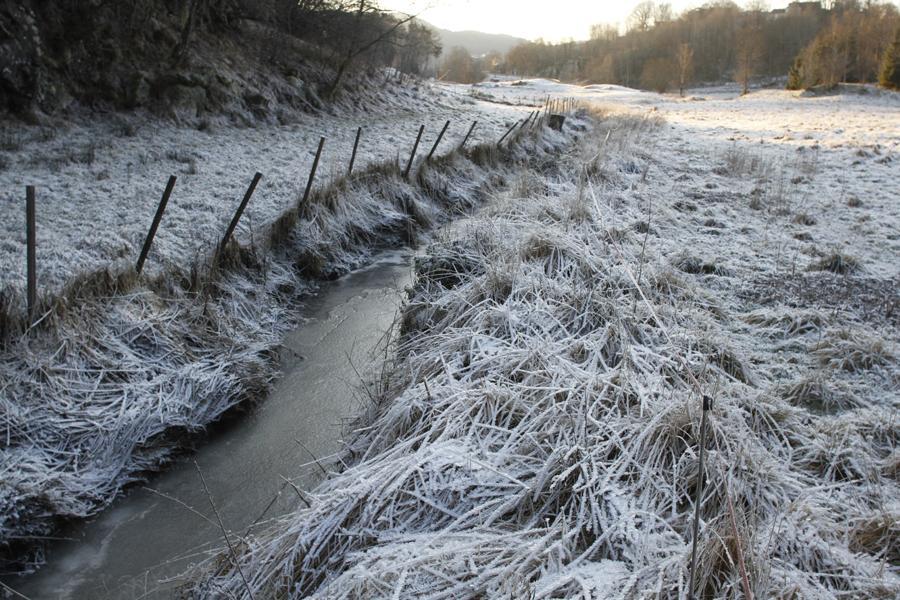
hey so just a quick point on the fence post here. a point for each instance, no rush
(466, 139)
(413, 153)
(155, 225)
(31, 251)
(240, 211)
(312, 172)
(525, 121)
(707, 406)
(353, 156)
(438, 140)
(508, 131)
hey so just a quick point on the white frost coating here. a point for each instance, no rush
(537, 433)
(99, 181)
(86, 401)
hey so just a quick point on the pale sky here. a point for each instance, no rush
(552, 20)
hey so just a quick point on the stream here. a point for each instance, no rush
(138, 546)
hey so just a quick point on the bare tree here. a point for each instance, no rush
(748, 56)
(604, 32)
(684, 56)
(369, 27)
(663, 13)
(418, 45)
(459, 66)
(641, 17)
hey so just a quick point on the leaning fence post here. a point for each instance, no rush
(155, 225)
(438, 140)
(466, 139)
(413, 153)
(508, 131)
(527, 119)
(312, 172)
(240, 211)
(353, 156)
(31, 251)
(707, 406)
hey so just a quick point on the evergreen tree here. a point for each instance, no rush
(795, 75)
(890, 65)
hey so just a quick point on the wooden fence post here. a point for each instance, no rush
(508, 131)
(240, 211)
(155, 225)
(31, 251)
(466, 139)
(353, 156)
(312, 172)
(438, 140)
(413, 153)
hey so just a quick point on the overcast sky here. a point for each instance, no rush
(552, 20)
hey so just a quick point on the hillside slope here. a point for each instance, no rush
(155, 54)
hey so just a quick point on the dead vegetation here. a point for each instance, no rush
(117, 362)
(837, 262)
(537, 432)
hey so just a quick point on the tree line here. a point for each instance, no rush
(817, 43)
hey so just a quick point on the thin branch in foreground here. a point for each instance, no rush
(231, 550)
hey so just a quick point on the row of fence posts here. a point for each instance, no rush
(536, 117)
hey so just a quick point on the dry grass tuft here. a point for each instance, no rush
(697, 266)
(817, 396)
(836, 262)
(851, 350)
(804, 219)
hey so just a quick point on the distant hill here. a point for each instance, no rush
(476, 42)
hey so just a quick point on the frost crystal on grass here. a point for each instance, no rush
(537, 432)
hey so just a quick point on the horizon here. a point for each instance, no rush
(530, 19)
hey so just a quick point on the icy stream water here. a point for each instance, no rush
(156, 530)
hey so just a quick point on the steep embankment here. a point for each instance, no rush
(182, 59)
(539, 431)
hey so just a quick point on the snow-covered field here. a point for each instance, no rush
(813, 155)
(99, 180)
(538, 432)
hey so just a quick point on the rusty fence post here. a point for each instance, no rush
(438, 140)
(353, 156)
(466, 139)
(508, 131)
(145, 250)
(412, 155)
(527, 119)
(240, 211)
(312, 172)
(31, 251)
